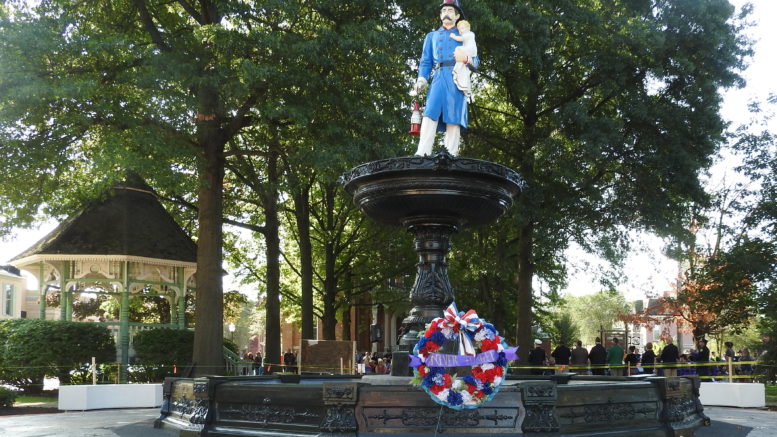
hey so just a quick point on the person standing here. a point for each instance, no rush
(537, 358)
(562, 354)
(648, 359)
(288, 361)
(579, 359)
(702, 358)
(597, 357)
(259, 363)
(615, 358)
(632, 360)
(446, 104)
(669, 356)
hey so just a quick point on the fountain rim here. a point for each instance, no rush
(431, 164)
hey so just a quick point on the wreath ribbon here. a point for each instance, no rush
(461, 323)
(450, 360)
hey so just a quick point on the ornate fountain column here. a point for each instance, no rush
(432, 197)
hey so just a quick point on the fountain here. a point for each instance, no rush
(433, 197)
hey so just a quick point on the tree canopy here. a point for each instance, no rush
(610, 111)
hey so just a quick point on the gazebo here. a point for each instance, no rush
(124, 244)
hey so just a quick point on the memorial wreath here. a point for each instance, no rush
(488, 363)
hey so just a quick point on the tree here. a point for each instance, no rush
(154, 86)
(608, 110)
(592, 312)
(565, 331)
(177, 89)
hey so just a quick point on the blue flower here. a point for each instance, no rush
(469, 379)
(501, 361)
(428, 381)
(422, 343)
(454, 398)
(438, 337)
(487, 389)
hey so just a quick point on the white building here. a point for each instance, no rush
(13, 293)
(663, 326)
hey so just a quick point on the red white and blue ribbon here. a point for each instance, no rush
(461, 323)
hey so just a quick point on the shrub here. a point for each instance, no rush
(33, 349)
(158, 350)
(7, 397)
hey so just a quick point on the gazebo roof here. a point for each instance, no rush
(130, 221)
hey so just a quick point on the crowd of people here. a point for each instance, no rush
(617, 361)
(376, 363)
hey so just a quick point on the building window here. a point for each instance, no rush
(8, 299)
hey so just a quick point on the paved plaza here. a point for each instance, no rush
(726, 422)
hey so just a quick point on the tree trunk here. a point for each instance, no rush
(302, 214)
(525, 295)
(208, 337)
(347, 323)
(329, 320)
(272, 252)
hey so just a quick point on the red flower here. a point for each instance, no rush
(431, 346)
(488, 344)
(423, 370)
(433, 327)
(436, 389)
(499, 370)
(489, 375)
(471, 388)
(447, 379)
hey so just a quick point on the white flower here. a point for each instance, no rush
(486, 366)
(468, 399)
(458, 385)
(481, 335)
(448, 332)
(497, 381)
(443, 395)
(500, 348)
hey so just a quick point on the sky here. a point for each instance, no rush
(647, 270)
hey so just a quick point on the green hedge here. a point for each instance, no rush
(33, 349)
(158, 350)
(7, 397)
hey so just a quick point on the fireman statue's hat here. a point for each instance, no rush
(455, 4)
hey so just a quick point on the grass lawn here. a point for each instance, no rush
(50, 396)
(771, 394)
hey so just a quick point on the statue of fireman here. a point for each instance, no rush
(446, 104)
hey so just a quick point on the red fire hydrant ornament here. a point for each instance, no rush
(415, 119)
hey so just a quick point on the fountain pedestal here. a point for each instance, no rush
(432, 197)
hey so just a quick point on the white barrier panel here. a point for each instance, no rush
(94, 397)
(733, 394)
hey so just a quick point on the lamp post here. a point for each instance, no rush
(231, 328)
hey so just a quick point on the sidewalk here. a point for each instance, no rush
(97, 423)
(726, 422)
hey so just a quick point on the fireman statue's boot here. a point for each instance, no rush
(426, 139)
(452, 138)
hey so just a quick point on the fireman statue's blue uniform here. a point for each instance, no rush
(445, 103)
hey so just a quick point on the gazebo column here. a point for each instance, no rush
(173, 302)
(181, 299)
(41, 292)
(63, 290)
(124, 327)
(69, 309)
(182, 310)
